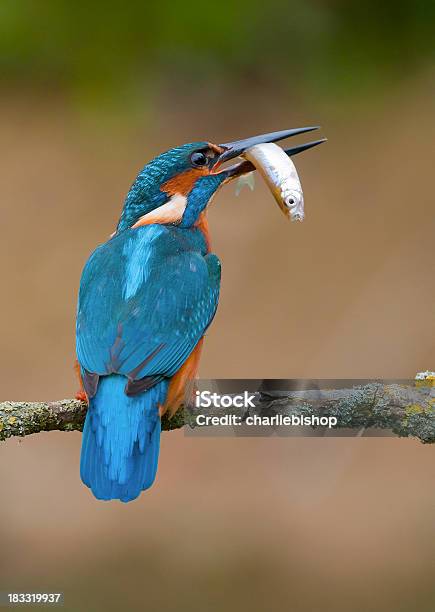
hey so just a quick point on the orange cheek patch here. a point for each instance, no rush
(183, 183)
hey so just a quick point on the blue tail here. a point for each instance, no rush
(121, 440)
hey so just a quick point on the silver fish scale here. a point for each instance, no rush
(281, 175)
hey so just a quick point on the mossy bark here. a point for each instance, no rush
(25, 418)
(406, 410)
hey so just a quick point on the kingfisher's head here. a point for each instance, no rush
(176, 187)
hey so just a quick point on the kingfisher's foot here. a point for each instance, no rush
(81, 395)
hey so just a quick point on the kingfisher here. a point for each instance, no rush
(147, 297)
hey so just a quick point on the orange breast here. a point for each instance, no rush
(202, 225)
(181, 381)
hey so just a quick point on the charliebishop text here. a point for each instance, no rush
(208, 399)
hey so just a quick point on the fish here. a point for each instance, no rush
(245, 179)
(281, 176)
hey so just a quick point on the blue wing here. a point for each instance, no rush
(146, 298)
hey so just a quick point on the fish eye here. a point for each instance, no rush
(198, 159)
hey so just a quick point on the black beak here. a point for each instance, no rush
(236, 148)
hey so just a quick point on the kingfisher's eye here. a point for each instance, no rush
(198, 159)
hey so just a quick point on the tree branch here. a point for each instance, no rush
(407, 410)
(25, 418)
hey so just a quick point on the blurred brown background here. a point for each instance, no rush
(235, 524)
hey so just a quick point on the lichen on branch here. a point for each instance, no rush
(406, 410)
